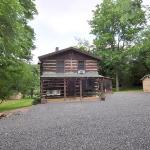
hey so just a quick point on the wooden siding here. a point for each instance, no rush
(69, 65)
(70, 62)
(58, 84)
(146, 85)
(49, 65)
(91, 65)
(51, 84)
(69, 86)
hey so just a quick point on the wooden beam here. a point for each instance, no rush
(102, 85)
(41, 88)
(64, 89)
(80, 89)
(98, 88)
(75, 90)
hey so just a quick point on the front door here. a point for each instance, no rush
(71, 87)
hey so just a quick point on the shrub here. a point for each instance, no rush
(36, 100)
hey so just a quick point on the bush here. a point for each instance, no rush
(36, 100)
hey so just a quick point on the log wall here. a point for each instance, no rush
(70, 62)
(58, 84)
(69, 65)
(52, 84)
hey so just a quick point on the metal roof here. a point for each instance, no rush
(70, 74)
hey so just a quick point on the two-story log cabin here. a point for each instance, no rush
(69, 72)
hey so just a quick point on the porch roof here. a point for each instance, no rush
(71, 74)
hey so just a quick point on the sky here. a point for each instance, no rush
(60, 22)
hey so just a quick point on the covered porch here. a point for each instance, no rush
(71, 86)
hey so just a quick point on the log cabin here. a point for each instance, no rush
(70, 72)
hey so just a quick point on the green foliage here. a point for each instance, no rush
(16, 36)
(118, 26)
(16, 43)
(141, 51)
(23, 78)
(36, 100)
(15, 104)
(26, 79)
(117, 23)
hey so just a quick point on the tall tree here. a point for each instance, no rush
(16, 39)
(116, 25)
(26, 79)
(141, 51)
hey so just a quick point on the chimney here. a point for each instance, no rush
(56, 49)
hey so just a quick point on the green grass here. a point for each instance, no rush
(129, 89)
(15, 104)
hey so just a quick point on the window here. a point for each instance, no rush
(60, 66)
(80, 65)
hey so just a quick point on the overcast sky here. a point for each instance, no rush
(59, 22)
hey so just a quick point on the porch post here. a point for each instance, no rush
(41, 88)
(80, 89)
(98, 87)
(64, 89)
(102, 85)
(42, 97)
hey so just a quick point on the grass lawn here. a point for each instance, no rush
(136, 89)
(14, 104)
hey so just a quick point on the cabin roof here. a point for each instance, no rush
(71, 74)
(68, 49)
(146, 76)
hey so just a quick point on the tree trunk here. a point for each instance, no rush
(117, 81)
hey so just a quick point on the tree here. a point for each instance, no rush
(16, 39)
(23, 78)
(16, 36)
(84, 45)
(117, 25)
(26, 79)
(141, 51)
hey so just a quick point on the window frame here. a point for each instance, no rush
(60, 67)
(83, 67)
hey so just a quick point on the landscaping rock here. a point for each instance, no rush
(2, 115)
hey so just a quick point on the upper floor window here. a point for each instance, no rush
(81, 65)
(60, 66)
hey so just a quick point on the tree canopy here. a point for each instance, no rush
(16, 41)
(118, 26)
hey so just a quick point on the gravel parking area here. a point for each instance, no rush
(122, 122)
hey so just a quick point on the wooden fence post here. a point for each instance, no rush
(80, 89)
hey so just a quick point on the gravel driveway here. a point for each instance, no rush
(122, 122)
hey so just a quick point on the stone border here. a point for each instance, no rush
(11, 112)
